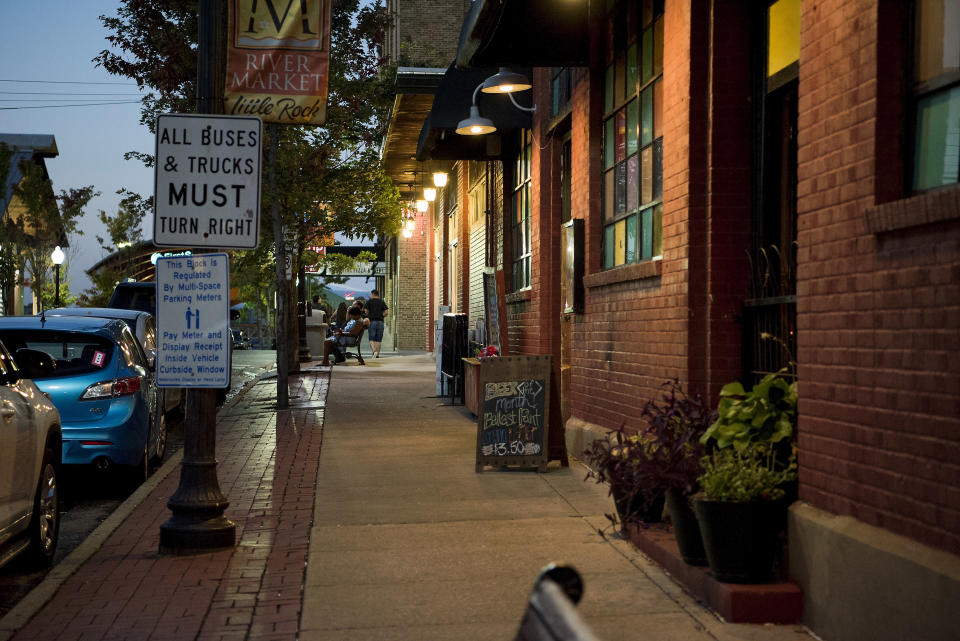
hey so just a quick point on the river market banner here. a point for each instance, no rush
(278, 57)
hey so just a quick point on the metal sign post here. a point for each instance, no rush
(197, 523)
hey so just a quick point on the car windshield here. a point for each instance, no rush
(74, 353)
(143, 299)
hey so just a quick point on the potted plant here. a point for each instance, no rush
(751, 462)
(675, 423)
(618, 461)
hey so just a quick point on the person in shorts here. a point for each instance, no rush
(375, 309)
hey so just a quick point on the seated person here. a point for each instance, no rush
(347, 336)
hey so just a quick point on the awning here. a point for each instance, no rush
(415, 89)
(529, 33)
(438, 137)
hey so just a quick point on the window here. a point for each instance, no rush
(936, 76)
(521, 213)
(633, 132)
(561, 83)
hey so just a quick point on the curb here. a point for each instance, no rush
(29, 605)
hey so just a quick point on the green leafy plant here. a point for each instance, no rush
(749, 473)
(764, 414)
(751, 455)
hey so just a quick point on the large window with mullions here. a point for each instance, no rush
(520, 204)
(632, 132)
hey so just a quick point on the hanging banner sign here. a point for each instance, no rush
(278, 57)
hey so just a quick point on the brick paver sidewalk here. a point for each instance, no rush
(267, 468)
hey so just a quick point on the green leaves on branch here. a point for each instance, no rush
(764, 414)
(747, 474)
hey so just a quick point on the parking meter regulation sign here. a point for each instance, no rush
(193, 321)
(207, 181)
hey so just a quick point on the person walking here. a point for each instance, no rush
(375, 308)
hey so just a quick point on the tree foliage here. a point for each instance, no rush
(328, 178)
(36, 221)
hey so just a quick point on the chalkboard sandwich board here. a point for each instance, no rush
(512, 420)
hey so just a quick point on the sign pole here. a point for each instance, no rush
(197, 523)
(279, 241)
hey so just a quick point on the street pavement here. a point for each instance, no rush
(360, 516)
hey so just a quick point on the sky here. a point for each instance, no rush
(52, 45)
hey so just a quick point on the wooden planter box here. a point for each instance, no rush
(471, 384)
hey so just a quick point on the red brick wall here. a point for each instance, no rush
(878, 313)
(412, 274)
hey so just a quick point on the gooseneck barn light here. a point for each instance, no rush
(503, 82)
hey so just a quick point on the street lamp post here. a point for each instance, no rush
(57, 257)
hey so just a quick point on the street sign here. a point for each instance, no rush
(193, 321)
(207, 181)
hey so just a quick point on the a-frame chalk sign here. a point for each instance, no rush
(512, 419)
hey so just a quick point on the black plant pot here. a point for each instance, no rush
(633, 509)
(741, 539)
(686, 529)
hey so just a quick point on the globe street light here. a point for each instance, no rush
(57, 257)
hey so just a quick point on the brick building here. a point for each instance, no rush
(725, 170)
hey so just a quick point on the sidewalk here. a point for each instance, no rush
(386, 534)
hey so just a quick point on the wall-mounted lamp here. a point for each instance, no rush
(430, 194)
(504, 81)
(422, 205)
(439, 178)
(407, 233)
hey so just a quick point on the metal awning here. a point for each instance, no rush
(415, 93)
(438, 137)
(530, 33)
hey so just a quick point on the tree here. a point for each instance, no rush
(329, 177)
(40, 221)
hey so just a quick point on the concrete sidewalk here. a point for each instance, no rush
(364, 520)
(410, 543)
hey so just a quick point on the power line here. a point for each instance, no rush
(70, 82)
(90, 104)
(61, 93)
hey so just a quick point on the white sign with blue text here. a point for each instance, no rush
(193, 321)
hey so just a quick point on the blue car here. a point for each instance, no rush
(100, 380)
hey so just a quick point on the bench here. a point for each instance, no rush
(354, 342)
(551, 614)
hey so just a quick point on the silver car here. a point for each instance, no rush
(30, 454)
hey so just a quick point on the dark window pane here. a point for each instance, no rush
(658, 230)
(646, 116)
(633, 116)
(657, 169)
(658, 48)
(608, 143)
(620, 202)
(608, 90)
(646, 175)
(646, 57)
(658, 108)
(633, 177)
(611, 30)
(608, 246)
(620, 148)
(646, 234)
(647, 12)
(631, 245)
(620, 79)
(608, 195)
(631, 81)
(937, 160)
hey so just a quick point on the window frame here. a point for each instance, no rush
(632, 133)
(520, 232)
